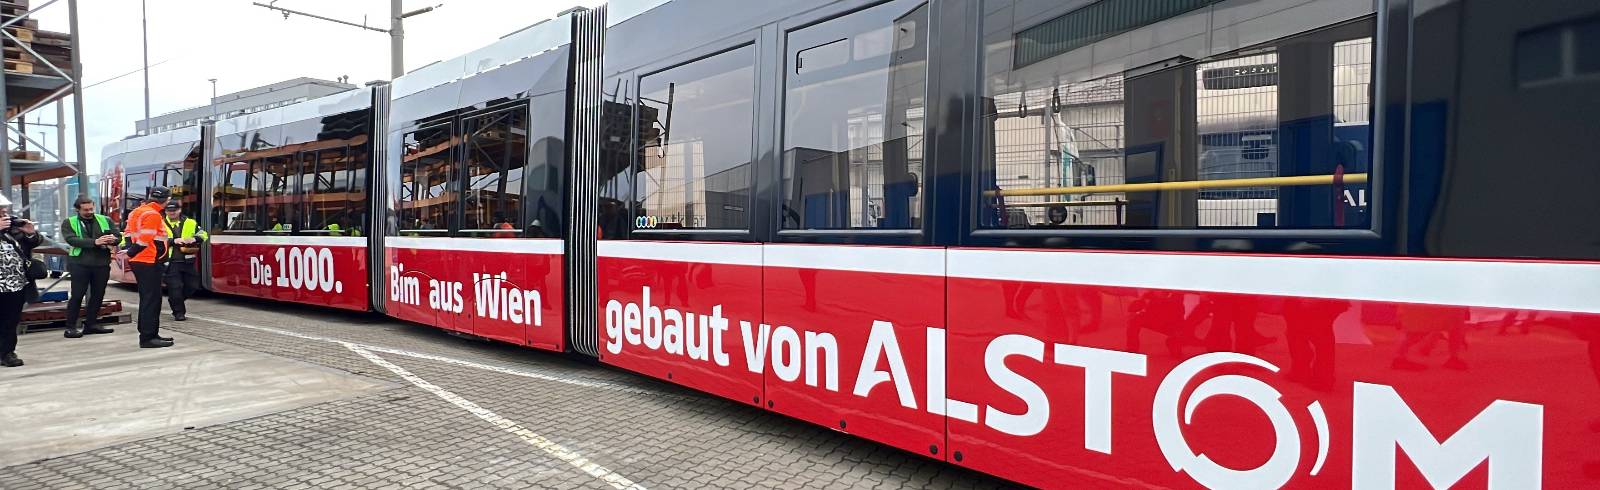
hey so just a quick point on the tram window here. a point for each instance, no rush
(1277, 135)
(232, 197)
(853, 120)
(427, 198)
(495, 153)
(693, 166)
(276, 180)
(335, 197)
(135, 187)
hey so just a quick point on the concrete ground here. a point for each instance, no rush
(268, 395)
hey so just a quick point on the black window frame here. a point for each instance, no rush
(1390, 51)
(933, 107)
(459, 166)
(761, 165)
(451, 126)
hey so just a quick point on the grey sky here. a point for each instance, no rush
(245, 46)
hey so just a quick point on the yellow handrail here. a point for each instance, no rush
(1185, 185)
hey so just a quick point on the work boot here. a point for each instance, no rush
(10, 359)
(96, 330)
(179, 317)
(73, 333)
(168, 339)
(155, 343)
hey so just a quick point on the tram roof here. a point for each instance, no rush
(167, 138)
(529, 42)
(328, 105)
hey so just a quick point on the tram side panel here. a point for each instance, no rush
(508, 290)
(683, 312)
(852, 338)
(327, 271)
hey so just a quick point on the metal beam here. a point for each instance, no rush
(286, 13)
(77, 99)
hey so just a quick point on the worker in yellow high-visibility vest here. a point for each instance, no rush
(182, 278)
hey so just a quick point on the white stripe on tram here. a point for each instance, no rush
(1547, 286)
(548, 246)
(293, 241)
(746, 254)
(924, 261)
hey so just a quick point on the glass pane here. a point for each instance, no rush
(694, 144)
(1586, 39)
(426, 197)
(496, 154)
(1275, 136)
(853, 126)
(134, 190)
(232, 197)
(335, 200)
(277, 175)
(1539, 55)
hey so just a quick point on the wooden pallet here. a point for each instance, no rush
(19, 67)
(45, 316)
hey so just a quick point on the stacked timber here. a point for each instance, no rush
(56, 47)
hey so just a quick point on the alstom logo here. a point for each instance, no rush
(1507, 436)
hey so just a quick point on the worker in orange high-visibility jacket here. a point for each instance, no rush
(148, 238)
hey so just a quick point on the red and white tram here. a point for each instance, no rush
(1215, 243)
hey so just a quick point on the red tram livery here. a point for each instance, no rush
(1152, 244)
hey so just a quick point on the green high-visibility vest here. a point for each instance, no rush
(77, 229)
(188, 228)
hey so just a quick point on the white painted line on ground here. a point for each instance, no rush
(431, 357)
(549, 447)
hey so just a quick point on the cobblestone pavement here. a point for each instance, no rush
(470, 414)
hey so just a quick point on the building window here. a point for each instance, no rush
(1277, 135)
(495, 154)
(853, 116)
(693, 167)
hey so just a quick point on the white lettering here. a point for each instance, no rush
(1037, 415)
(938, 404)
(786, 362)
(882, 342)
(1508, 435)
(1098, 365)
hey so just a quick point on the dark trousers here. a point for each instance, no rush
(149, 278)
(91, 280)
(182, 281)
(10, 316)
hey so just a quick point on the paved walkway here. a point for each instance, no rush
(267, 395)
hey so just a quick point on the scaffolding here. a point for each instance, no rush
(41, 69)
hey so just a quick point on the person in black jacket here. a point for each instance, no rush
(17, 239)
(91, 237)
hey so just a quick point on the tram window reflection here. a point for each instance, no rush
(693, 167)
(1276, 135)
(495, 155)
(278, 175)
(427, 198)
(853, 122)
(332, 182)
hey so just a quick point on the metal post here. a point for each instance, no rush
(61, 149)
(5, 140)
(77, 98)
(397, 40)
(145, 33)
(213, 98)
